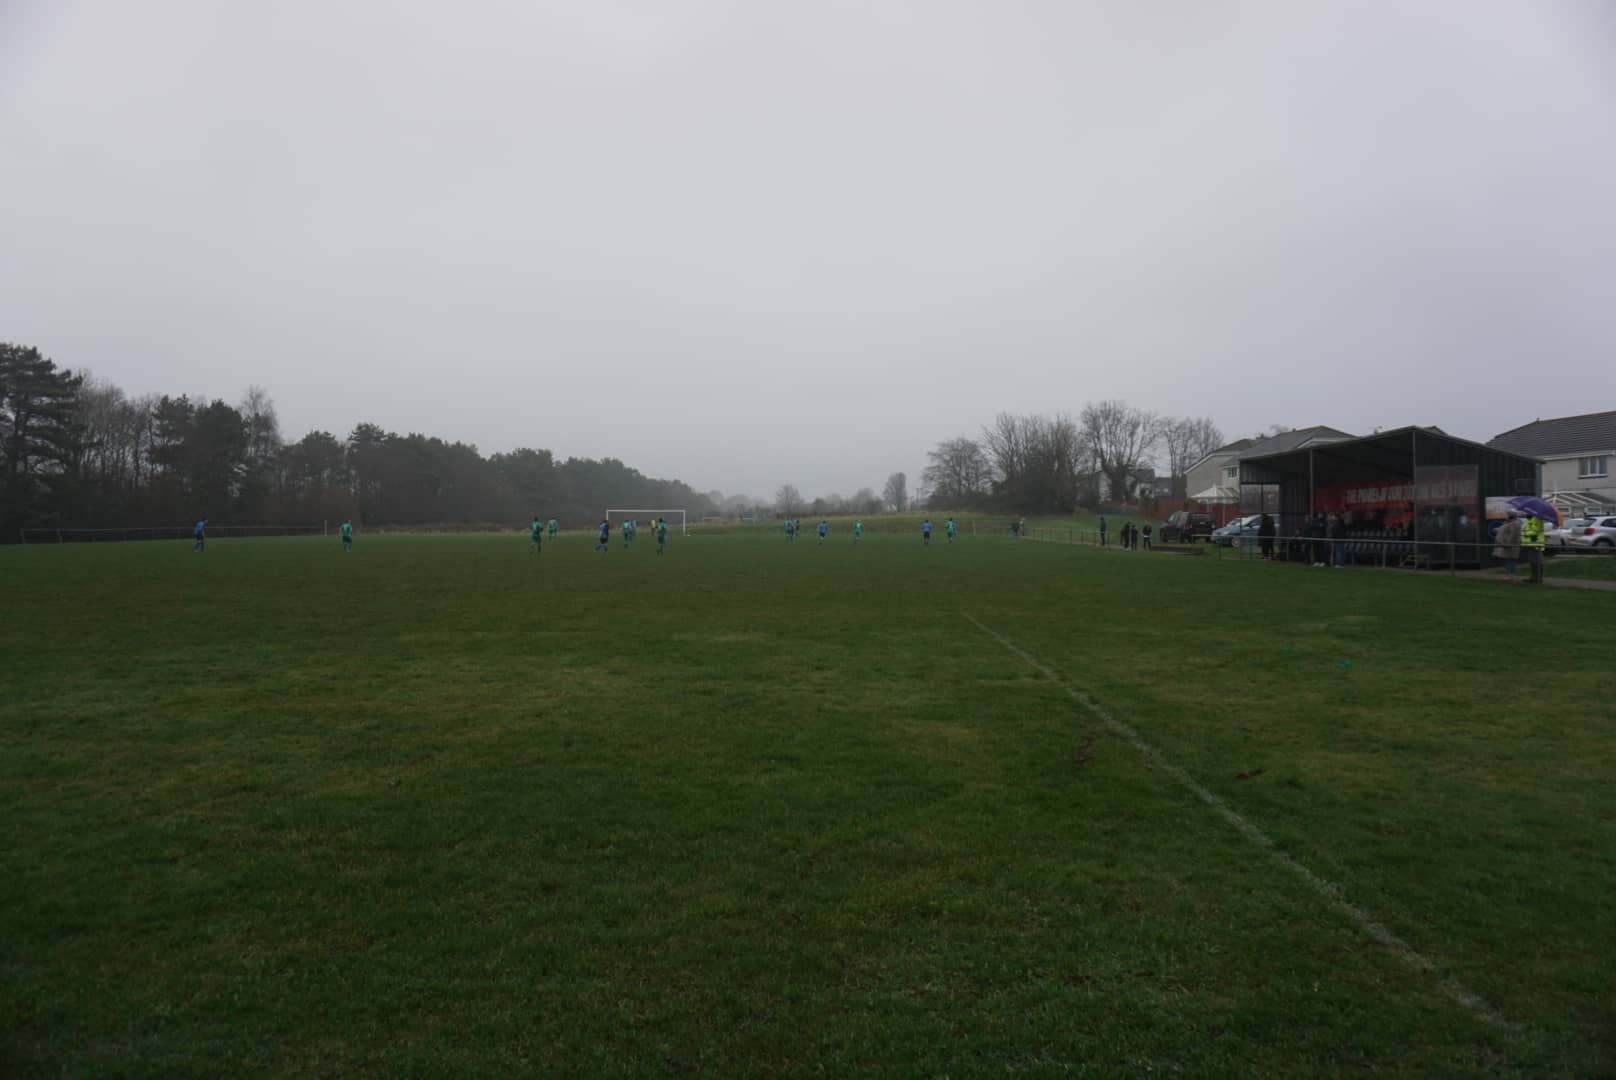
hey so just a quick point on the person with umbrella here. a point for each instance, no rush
(1508, 543)
(1532, 541)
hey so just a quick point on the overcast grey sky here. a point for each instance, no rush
(755, 242)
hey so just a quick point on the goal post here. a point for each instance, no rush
(652, 514)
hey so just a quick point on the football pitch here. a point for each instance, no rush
(442, 806)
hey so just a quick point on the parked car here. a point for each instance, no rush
(1186, 527)
(1238, 533)
(1599, 533)
(1559, 539)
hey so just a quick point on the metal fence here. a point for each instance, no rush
(1354, 550)
(162, 532)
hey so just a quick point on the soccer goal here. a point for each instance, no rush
(651, 514)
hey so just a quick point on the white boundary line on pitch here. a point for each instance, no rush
(1330, 891)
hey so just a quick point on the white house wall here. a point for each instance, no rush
(1560, 474)
(1208, 472)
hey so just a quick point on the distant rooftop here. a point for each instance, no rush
(1564, 435)
(1285, 440)
(1290, 440)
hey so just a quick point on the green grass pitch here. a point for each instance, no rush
(442, 806)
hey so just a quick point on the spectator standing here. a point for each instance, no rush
(1102, 530)
(1508, 544)
(1316, 530)
(1338, 541)
(1265, 536)
(1298, 540)
(1147, 536)
(1532, 541)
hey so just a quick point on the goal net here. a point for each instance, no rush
(648, 516)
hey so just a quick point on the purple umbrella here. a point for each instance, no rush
(1531, 504)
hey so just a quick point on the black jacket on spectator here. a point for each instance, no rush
(1317, 530)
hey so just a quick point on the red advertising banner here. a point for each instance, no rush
(1447, 485)
(1395, 501)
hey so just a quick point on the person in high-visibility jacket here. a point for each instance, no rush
(1532, 541)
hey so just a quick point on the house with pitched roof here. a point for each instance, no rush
(1215, 479)
(1577, 452)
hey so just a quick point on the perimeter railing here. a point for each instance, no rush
(161, 532)
(1355, 549)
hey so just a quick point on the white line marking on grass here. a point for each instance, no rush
(1330, 891)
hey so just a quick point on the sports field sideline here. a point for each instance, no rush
(757, 807)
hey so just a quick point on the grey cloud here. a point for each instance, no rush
(747, 244)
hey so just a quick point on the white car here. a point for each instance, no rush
(1599, 533)
(1557, 539)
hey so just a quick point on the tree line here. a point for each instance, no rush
(1054, 464)
(78, 452)
(790, 502)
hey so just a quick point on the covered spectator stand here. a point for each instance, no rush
(1414, 495)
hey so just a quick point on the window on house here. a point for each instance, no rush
(1231, 473)
(1594, 466)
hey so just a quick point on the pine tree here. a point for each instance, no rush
(39, 438)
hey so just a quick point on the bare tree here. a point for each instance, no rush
(1055, 449)
(1206, 438)
(896, 492)
(1039, 461)
(1005, 442)
(106, 442)
(864, 501)
(787, 499)
(833, 503)
(1119, 437)
(263, 426)
(959, 473)
(1177, 437)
